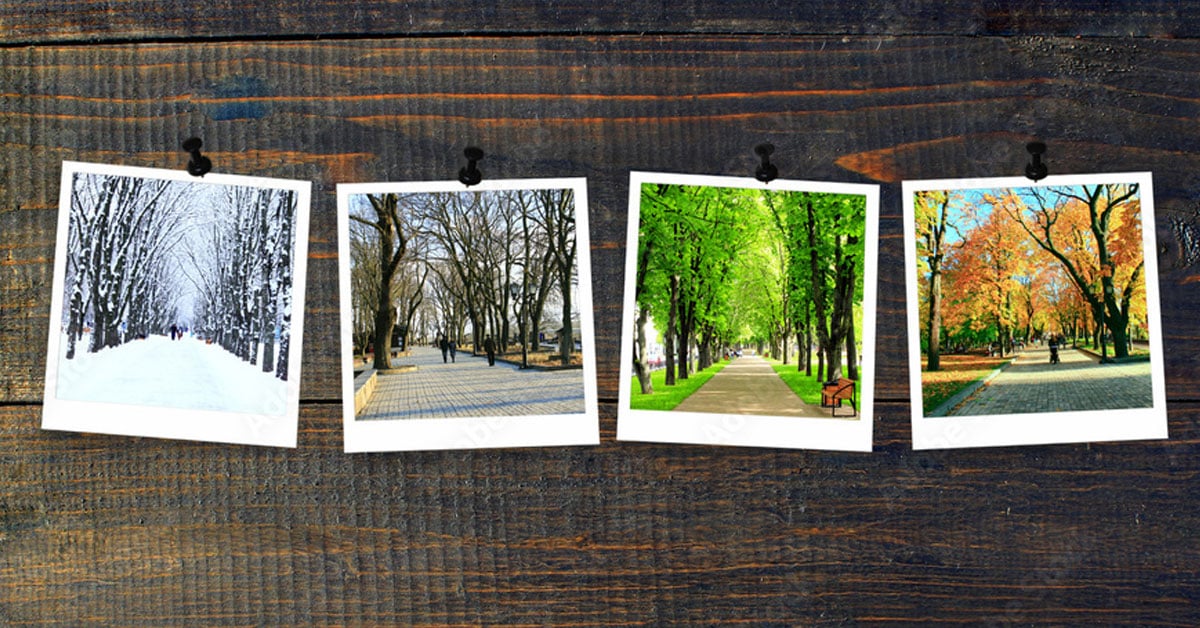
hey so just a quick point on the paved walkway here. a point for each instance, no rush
(1079, 382)
(470, 388)
(749, 385)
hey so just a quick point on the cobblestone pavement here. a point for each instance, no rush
(1079, 382)
(470, 388)
(749, 385)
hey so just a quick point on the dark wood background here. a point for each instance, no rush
(103, 530)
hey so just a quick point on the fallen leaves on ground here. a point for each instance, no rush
(957, 372)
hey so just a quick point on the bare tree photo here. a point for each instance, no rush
(461, 304)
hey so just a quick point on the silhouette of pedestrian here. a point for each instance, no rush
(489, 346)
(444, 345)
(453, 350)
(174, 331)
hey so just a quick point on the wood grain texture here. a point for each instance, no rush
(33, 21)
(104, 530)
(123, 531)
(351, 111)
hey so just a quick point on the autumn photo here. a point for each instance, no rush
(749, 310)
(178, 303)
(1033, 299)
(464, 304)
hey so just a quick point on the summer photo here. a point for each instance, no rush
(746, 300)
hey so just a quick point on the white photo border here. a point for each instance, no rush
(1044, 427)
(474, 432)
(740, 429)
(176, 423)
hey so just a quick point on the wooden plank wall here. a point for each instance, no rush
(100, 530)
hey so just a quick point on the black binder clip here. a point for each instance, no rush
(470, 175)
(1035, 169)
(766, 171)
(198, 165)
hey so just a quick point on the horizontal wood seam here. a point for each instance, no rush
(266, 38)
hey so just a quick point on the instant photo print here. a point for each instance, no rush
(749, 312)
(466, 315)
(178, 305)
(1033, 313)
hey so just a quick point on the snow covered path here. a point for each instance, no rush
(183, 373)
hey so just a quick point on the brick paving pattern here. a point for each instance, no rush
(470, 388)
(1078, 382)
(749, 385)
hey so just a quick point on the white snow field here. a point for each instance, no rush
(158, 371)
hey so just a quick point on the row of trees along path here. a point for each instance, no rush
(996, 266)
(482, 258)
(726, 267)
(144, 255)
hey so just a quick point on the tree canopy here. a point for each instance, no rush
(1016, 264)
(722, 268)
(148, 255)
(463, 263)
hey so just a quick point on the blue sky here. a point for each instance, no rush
(959, 218)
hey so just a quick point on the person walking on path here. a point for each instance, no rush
(1032, 385)
(444, 345)
(489, 346)
(453, 350)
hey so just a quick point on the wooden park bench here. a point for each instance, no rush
(833, 393)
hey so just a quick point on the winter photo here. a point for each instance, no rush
(466, 315)
(178, 305)
(749, 312)
(1033, 311)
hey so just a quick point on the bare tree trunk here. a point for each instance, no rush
(669, 334)
(684, 340)
(851, 353)
(567, 339)
(808, 344)
(935, 321)
(821, 363)
(639, 358)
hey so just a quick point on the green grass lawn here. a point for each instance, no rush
(806, 387)
(1136, 353)
(667, 397)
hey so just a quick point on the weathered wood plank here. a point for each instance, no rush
(111, 530)
(837, 109)
(46, 21)
(100, 530)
